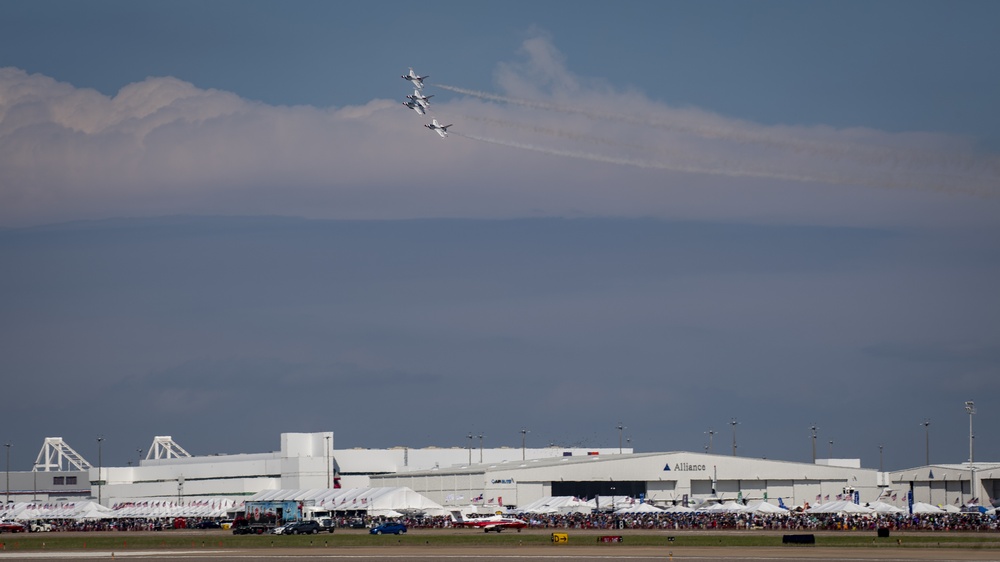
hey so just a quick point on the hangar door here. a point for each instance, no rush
(633, 489)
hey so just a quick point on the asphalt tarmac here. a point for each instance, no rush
(508, 554)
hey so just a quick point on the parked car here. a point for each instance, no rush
(357, 523)
(40, 527)
(208, 524)
(302, 528)
(281, 529)
(389, 528)
(327, 524)
(11, 527)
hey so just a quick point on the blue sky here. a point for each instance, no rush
(672, 212)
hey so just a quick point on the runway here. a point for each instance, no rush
(509, 554)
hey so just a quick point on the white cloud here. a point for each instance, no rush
(549, 143)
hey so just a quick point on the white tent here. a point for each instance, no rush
(375, 501)
(765, 508)
(950, 508)
(922, 508)
(840, 507)
(557, 504)
(882, 507)
(678, 509)
(640, 508)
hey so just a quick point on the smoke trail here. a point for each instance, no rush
(558, 133)
(967, 168)
(975, 176)
(642, 163)
(719, 169)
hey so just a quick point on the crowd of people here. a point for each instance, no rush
(609, 521)
(744, 521)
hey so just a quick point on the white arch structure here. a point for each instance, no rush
(164, 447)
(56, 455)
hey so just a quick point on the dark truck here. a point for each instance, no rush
(244, 526)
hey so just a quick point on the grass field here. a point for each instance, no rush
(438, 538)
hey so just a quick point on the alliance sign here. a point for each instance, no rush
(685, 467)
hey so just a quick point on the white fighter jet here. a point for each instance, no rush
(418, 81)
(415, 107)
(438, 128)
(423, 100)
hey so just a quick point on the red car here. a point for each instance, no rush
(11, 527)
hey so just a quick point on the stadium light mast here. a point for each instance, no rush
(469, 437)
(524, 436)
(480, 448)
(711, 433)
(927, 440)
(830, 456)
(326, 458)
(970, 407)
(8, 445)
(813, 428)
(620, 428)
(100, 468)
(734, 423)
(880, 458)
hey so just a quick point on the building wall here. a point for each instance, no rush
(947, 484)
(28, 486)
(690, 474)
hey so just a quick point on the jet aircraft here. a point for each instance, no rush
(418, 81)
(438, 128)
(492, 523)
(421, 99)
(415, 106)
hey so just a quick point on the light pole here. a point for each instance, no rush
(524, 435)
(326, 457)
(970, 407)
(830, 456)
(100, 469)
(813, 429)
(711, 433)
(880, 458)
(8, 445)
(138, 459)
(480, 448)
(927, 440)
(734, 423)
(620, 428)
(470, 447)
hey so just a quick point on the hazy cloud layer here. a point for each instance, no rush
(417, 332)
(546, 143)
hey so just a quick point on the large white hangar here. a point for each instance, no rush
(658, 478)
(950, 484)
(304, 461)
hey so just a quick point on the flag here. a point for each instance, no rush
(894, 497)
(840, 496)
(781, 503)
(819, 497)
(828, 497)
(478, 498)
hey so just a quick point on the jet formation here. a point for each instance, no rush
(421, 103)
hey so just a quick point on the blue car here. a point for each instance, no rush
(388, 528)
